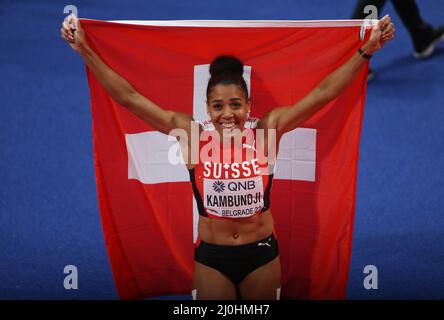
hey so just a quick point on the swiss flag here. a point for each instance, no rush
(146, 203)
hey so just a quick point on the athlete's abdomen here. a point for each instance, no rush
(236, 231)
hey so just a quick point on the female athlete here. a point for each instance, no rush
(236, 255)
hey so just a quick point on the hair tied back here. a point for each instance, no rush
(226, 64)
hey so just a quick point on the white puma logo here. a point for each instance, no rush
(247, 146)
(264, 243)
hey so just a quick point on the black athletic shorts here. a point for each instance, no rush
(236, 262)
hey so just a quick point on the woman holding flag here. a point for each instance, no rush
(236, 255)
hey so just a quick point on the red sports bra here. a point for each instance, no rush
(231, 181)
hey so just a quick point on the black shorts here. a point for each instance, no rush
(236, 262)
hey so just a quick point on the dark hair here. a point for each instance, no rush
(227, 70)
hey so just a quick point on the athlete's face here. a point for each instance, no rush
(228, 108)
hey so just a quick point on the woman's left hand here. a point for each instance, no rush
(382, 32)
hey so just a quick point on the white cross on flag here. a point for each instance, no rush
(147, 209)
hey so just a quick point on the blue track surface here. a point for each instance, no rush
(48, 204)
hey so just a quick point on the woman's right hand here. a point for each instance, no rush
(73, 33)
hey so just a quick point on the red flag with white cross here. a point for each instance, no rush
(148, 214)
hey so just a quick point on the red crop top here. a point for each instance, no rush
(231, 182)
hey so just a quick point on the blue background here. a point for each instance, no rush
(48, 204)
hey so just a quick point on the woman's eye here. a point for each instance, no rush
(236, 105)
(217, 106)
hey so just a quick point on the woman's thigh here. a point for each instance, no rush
(263, 283)
(211, 284)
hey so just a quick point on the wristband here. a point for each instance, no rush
(363, 54)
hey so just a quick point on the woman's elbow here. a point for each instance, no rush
(325, 94)
(125, 100)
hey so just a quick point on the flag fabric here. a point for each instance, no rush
(146, 204)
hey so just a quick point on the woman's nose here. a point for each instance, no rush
(226, 112)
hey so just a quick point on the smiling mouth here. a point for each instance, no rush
(229, 125)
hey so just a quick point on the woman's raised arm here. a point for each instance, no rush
(118, 88)
(285, 119)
